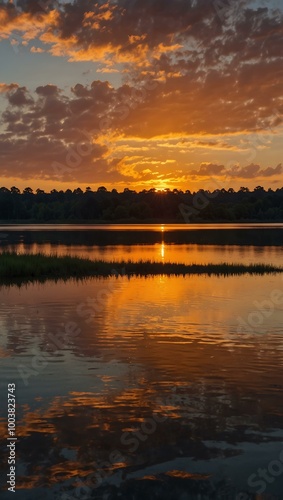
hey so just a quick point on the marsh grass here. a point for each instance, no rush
(39, 267)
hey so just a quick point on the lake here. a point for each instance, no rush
(155, 387)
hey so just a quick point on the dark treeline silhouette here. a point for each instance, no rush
(145, 206)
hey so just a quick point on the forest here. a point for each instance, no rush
(148, 206)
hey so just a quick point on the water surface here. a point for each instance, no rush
(164, 387)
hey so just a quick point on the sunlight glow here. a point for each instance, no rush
(162, 250)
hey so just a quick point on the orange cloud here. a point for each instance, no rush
(7, 87)
(25, 23)
(36, 50)
(215, 92)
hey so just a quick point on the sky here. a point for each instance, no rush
(141, 94)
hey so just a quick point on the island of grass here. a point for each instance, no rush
(19, 268)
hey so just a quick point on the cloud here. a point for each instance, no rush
(251, 171)
(141, 32)
(7, 87)
(27, 23)
(36, 50)
(208, 169)
(47, 90)
(51, 126)
(20, 97)
(191, 85)
(183, 46)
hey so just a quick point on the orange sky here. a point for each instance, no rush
(184, 94)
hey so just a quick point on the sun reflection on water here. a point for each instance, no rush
(162, 250)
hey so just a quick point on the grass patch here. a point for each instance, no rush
(15, 268)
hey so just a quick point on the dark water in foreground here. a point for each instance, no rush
(158, 388)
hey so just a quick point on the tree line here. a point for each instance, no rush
(148, 205)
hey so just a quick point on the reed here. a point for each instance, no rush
(39, 267)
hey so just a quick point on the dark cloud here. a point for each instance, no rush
(207, 169)
(36, 6)
(47, 90)
(19, 97)
(251, 171)
(80, 90)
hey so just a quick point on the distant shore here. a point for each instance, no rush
(99, 222)
(129, 222)
(20, 268)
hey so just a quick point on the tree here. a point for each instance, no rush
(259, 204)
(121, 212)
(140, 210)
(15, 190)
(28, 190)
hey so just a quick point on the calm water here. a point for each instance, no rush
(158, 387)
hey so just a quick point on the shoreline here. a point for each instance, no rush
(99, 222)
